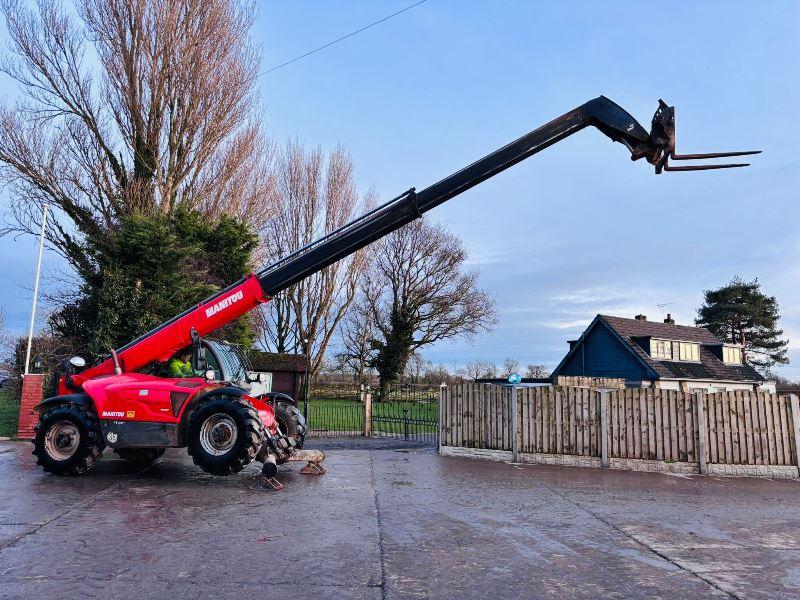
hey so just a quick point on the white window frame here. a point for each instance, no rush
(726, 355)
(661, 349)
(693, 356)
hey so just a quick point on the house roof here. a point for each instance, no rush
(709, 367)
(684, 333)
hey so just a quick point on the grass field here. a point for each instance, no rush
(9, 414)
(343, 415)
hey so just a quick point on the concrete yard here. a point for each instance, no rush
(392, 522)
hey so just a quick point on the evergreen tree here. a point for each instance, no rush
(150, 269)
(740, 313)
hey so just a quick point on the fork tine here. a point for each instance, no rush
(668, 167)
(712, 155)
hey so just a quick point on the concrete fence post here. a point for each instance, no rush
(795, 404)
(514, 425)
(368, 414)
(700, 411)
(604, 429)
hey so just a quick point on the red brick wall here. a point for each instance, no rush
(31, 396)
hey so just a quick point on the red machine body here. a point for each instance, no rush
(162, 343)
(140, 397)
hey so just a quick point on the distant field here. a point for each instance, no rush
(9, 414)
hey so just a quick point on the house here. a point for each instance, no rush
(288, 371)
(662, 355)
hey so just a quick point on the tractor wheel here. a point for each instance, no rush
(291, 422)
(140, 458)
(225, 434)
(68, 440)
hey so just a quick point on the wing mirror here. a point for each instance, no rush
(256, 377)
(209, 375)
(78, 362)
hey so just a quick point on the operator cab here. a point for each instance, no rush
(229, 363)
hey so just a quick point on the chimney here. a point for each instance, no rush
(669, 320)
(641, 317)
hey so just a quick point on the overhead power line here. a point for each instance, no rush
(344, 37)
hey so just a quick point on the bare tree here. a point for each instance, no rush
(417, 366)
(7, 340)
(510, 365)
(163, 119)
(315, 195)
(356, 333)
(537, 371)
(481, 369)
(418, 293)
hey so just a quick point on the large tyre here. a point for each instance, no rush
(225, 434)
(68, 440)
(140, 458)
(291, 422)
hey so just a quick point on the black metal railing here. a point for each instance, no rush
(409, 412)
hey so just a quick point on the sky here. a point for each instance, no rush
(579, 229)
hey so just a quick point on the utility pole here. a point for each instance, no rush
(36, 290)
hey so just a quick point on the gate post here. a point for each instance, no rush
(31, 396)
(701, 432)
(367, 414)
(440, 424)
(604, 428)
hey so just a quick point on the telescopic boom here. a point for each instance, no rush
(657, 147)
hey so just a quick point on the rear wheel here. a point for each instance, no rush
(291, 422)
(140, 457)
(68, 440)
(225, 434)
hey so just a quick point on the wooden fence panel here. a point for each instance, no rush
(786, 432)
(740, 427)
(691, 429)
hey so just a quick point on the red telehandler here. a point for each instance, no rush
(121, 402)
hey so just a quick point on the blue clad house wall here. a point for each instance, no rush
(604, 355)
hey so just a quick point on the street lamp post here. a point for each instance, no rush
(35, 291)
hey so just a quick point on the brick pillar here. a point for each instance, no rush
(31, 396)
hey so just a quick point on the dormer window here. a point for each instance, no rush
(661, 349)
(689, 351)
(731, 355)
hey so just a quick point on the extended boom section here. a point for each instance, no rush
(656, 147)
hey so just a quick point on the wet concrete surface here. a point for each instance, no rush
(391, 520)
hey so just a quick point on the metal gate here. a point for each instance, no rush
(335, 410)
(409, 412)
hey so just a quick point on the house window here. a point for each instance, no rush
(661, 349)
(689, 351)
(731, 355)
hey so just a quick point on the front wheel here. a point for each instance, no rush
(68, 440)
(225, 434)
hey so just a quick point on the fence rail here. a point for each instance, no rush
(729, 428)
